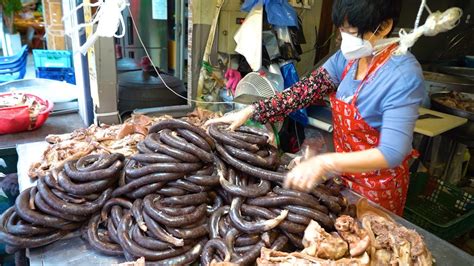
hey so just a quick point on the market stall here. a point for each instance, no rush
(162, 177)
(219, 186)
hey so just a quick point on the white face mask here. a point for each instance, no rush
(353, 47)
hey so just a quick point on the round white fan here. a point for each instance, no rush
(256, 86)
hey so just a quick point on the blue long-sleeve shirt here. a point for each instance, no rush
(388, 102)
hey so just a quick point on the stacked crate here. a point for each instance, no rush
(54, 64)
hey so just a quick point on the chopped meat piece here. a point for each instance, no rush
(349, 230)
(199, 116)
(270, 257)
(457, 100)
(382, 241)
(121, 138)
(382, 257)
(223, 263)
(126, 130)
(406, 247)
(320, 244)
(417, 244)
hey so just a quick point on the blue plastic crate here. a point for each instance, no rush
(57, 73)
(52, 58)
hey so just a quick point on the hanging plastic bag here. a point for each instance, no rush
(279, 12)
(300, 116)
(297, 37)
(108, 18)
(249, 38)
(290, 77)
(287, 49)
(271, 45)
(249, 4)
(289, 74)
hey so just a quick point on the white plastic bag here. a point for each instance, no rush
(249, 38)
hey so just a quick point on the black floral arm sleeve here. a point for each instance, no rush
(303, 93)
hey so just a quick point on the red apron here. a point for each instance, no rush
(386, 187)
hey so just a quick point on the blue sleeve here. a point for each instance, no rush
(335, 66)
(400, 112)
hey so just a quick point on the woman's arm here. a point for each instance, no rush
(319, 83)
(317, 169)
(305, 92)
(357, 162)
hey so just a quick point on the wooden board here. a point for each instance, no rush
(432, 127)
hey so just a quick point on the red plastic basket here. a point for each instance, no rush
(17, 119)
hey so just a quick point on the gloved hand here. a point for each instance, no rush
(233, 77)
(297, 160)
(311, 172)
(307, 152)
(271, 135)
(237, 119)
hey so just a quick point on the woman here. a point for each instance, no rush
(374, 97)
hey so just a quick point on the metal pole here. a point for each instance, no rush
(102, 75)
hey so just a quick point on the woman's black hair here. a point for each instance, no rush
(366, 15)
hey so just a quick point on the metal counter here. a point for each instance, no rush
(71, 251)
(76, 251)
(56, 124)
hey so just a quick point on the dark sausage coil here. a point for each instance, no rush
(260, 189)
(20, 241)
(180, 124)
(167, 137)
(62, 201)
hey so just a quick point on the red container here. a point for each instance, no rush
(17, 119)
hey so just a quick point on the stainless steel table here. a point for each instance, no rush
(75, 251)
(56, 124)
(71, 251)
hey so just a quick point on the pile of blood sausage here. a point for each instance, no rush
(61, 202)
(188, 195)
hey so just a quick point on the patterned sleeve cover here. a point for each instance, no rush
(305, 92)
